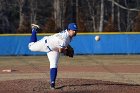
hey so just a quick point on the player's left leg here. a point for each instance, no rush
(53, 57)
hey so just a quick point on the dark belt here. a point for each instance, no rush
(48, 46)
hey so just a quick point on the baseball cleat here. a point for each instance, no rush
(35, 26)
(52, 86)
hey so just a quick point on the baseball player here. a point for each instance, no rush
(53, 45)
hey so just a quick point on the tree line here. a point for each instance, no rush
(16, 16)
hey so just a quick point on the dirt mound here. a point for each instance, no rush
(66, 86)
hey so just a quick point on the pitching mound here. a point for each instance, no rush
(66, 86)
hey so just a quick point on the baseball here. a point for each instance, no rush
(97, 38)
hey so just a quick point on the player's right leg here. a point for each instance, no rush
(33, 44)
(34, 32)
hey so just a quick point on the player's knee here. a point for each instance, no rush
(31, 47)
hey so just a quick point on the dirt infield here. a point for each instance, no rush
(82, 74)
(67, 86)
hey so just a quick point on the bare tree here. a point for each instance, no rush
(33, 7)
(24, 17)
(128, 17)
(136, 23)
(21, 15)
(77, 10)
(101, 16)
(123, 7)
(112, 12)
(4, 26)
(63, 11)
(91, 13)
(57, 14)
(118, 19)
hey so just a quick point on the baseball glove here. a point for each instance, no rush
(69, 51)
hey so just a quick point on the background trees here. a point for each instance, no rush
(54, 15)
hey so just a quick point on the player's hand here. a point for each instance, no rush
(69, 51)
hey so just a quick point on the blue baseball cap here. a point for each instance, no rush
(73, 26)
